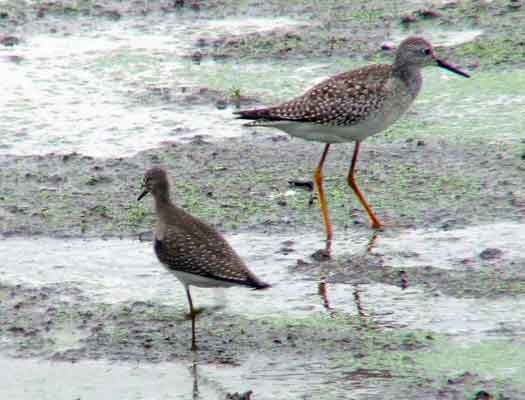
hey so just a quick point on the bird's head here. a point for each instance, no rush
(155, 182)
(416, 51)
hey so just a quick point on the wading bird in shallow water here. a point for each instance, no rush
(351, 106)
(194, 251)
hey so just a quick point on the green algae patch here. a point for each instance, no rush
(494, 51)
(502, 361)
(273, 81)
(483, 109)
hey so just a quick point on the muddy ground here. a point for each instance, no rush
(244, 185)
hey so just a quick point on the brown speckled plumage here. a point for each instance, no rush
(351, 107)
(342, 100)
(194, 251)
(184, 243)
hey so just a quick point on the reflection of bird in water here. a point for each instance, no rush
(357, 301)
(351, 106)
(321, 289)
(194, 251)
(229, 396)
(372, 243)
(195, 376)
(323, 292)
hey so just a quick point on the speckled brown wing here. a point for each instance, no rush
(342, 100)
(194, 247)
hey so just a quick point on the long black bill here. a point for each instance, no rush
(446, 65)
(144, 193)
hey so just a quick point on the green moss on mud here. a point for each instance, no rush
(503, 361)
(494, 51)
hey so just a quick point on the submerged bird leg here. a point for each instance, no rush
(376, 224)
(193, 315)
(318, 177)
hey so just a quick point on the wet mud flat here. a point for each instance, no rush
(430, 308)
(425, 183)
(358, 324)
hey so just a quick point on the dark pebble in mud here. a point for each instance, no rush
(483, 395)
(515, 4)
(429, 14)
(285, 250)
(467, 262)
(15, 59)
(302, 264)
(408, 19)
(9, 40)
(221, 104)
(113, 15)
(201, 42)
(490, 254)
(387, 46)
(199, 140)
(16, 330)
(236, 396)
(308, 185)
(196, 57)
(321, 255)
(279, 138)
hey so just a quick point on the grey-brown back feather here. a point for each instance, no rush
(341, 100)
(187, 244)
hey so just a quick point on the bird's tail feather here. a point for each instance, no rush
(252, 114)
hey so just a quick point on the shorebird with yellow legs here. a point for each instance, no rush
(350, 107)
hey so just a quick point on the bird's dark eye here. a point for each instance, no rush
(427, 51)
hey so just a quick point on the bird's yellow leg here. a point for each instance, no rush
(376, 224)
(318, 177)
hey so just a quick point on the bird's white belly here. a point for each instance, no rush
(188, 279)
(339, 134)
(321, 133)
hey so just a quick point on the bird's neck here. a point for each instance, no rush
(410, 75)
(162, 202)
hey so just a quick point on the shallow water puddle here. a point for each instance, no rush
(78, 91)
(464, 320)
(308, 377)
(123, 270)
(98, 89)
(30, 379)
(268, 379)
(500, 243)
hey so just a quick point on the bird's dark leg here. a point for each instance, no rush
(193, 315)
(376, 224)
(318, 177)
